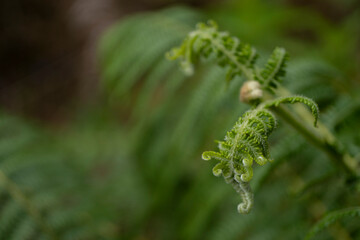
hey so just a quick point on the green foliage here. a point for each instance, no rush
(173, 119)
(248, 140)
(331, 218)
(131, 169)
(183, 116)
(37, 187)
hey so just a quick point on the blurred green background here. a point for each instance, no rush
(101, 137)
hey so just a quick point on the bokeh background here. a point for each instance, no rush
(101, 136)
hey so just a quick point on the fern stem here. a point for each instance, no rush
(320, 137)
(244, 190)
(327, 144)
(16, 193)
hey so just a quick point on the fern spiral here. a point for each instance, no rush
(245, 144)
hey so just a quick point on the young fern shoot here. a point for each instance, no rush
(247, 141)
(230, 52)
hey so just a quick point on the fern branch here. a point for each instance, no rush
(295, 99)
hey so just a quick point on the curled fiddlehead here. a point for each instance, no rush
(246, 143)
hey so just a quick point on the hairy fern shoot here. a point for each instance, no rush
(245, 144)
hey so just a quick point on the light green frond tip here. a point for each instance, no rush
(295, 99)
(331, 218)
(270, 76)
(244, 144)
(190, 49)
(206, 41)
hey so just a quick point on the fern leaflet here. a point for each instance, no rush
(295, 99)
(274, 69)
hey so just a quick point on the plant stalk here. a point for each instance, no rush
(322, 140)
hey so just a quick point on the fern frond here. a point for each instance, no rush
(246, 143)
(229, 51)
(295, 99)
(35, 183)
(18, 196)
(274, 69)
(330, 218)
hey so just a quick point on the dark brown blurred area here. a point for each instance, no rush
(38, 56)
(48, 47)
(47, 52)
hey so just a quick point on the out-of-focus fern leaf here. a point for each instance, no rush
(34, 184)
(342, 109)
(330, 218)
(125, 56)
